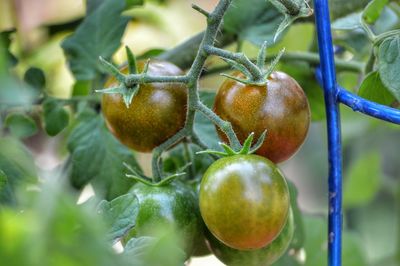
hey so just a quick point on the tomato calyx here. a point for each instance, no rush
(137, 176)
(247, 148)
(127, 90)
(249, 79)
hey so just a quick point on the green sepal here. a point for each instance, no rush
(259, 142)
(247, 144)
(127, 93)
(146, 66)
(237, 66)
(149, 181)
(244, 81)
(273, 64)
(112, 70)
(262, 55)
(246, 148)
(112, 90)
(131, 61)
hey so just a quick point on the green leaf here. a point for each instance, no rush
(120, 214)
(17, 164)
(203, 127)
(341, 8)
(133, 3)
(3, 180)
(53, 230)
(151, 53)
(81, 88)
(356, 42)
(98, 35)
(299, 234)
(362, 181)
(56, 118)
(21, 125)
(35, 77)
(161, 250)
(373, 89)
(373, 10)
(252, 20)
(178, 158)
(349, 22)
(6, 57)
(97, 157)
(376, 224)
(389, 65)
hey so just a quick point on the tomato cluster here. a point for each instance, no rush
(241, 209)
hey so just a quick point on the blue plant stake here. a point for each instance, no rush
(334, 95)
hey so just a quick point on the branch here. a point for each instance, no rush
(237, 57)
(145, 78)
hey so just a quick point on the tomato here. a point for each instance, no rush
(201, 248)
(156, 113)
(244, 201)
(168, 207)
(280, 107)
(257, 257)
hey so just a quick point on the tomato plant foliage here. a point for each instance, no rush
(72, 187)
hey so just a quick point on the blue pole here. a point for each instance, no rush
(333, 125)
(369, 108)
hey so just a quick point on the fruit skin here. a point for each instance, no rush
(168, 207)
(280, 107)
(244, 201)
(201, 248)
(257, 257)
(156, 113)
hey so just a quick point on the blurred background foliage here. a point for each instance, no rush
(40, 228)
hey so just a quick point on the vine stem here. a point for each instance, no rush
(144, 78)
(214, 21)
(238, 57)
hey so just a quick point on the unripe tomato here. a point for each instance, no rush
(257, 257)
(280, 107)
(156, 113)
(168, 207)
(244, 201)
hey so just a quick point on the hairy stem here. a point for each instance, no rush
(144, 78)
(214, 21)
(225, 126)
(157, 152)
(237, 57)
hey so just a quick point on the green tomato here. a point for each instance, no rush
(257, 257)
(200, 246)
(169, 207)
(244, 201)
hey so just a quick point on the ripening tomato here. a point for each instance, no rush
(156, 113)
(244, 201)
(280, 107)
(257, 257)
